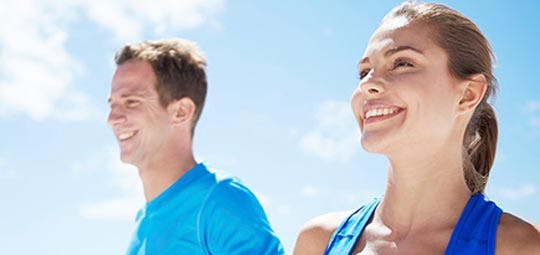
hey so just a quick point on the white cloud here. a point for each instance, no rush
(37, 71)
(225, 161)
(120, 209)
(518, 192)
(310, 191)
(358, 197)
(328, 31)
(77, 169)
(6, 172)
(128, 19)
(125, 179)
(284, 210)
(335, 135)
(35, 66)
(264, 199)
(533, 106)
(272, 205)
(535, 122)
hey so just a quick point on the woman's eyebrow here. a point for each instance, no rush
(393, 51)
(402, 48)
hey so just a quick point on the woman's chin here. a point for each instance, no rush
(376, 146)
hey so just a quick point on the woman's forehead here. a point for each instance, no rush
(396, 32)
(393, 23)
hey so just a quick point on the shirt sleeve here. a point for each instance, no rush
(233, 222)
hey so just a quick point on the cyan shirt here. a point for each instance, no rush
(204, 212)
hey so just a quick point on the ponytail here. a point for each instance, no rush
(480, 145)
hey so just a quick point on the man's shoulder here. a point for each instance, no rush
(227, 192)
(234, 220)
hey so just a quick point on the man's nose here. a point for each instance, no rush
(116, 116)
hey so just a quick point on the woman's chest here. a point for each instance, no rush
(428, 244)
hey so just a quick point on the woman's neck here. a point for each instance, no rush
(424, 193)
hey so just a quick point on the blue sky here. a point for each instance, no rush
(277, 112)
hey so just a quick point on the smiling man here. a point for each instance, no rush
(157, 96)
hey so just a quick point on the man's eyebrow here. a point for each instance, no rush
(136, 93)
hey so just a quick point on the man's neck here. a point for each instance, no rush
(163, 171)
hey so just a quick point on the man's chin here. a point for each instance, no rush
(127, 159)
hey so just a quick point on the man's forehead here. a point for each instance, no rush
(135, 92)
(123, 91)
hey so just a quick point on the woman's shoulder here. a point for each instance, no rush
(516, 236)
(316, 233)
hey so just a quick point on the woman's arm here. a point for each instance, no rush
(316, 233)
(516, 236)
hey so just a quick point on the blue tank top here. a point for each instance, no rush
(475, 231)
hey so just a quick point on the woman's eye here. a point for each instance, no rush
(363, 73)
(402, 63)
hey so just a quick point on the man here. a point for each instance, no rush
(157, 95)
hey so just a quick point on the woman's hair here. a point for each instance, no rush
(469, 53)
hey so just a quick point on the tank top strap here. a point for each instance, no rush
(346, 235)
(475, 232)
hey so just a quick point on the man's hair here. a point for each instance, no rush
(179, 66)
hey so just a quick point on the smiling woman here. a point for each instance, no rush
(425, 80)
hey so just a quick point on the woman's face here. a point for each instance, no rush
(406, 99)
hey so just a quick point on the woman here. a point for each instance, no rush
(425, 80)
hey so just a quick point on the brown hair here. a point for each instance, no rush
(179, 66)
(469, 53)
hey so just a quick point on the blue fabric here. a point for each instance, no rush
(474, 234)
(476, 230)
(346, 235)
(204, 212)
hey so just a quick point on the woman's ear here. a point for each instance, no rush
(181, 111)
(472, 93)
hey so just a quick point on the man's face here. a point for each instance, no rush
(139, 122)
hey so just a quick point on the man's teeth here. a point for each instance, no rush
(127, 135)
(380, 112)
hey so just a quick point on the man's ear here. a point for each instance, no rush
(181, 110)
(472, 92)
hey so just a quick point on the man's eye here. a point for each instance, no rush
(132, 103)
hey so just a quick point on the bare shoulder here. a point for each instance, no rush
(516, 236)
(316, 233)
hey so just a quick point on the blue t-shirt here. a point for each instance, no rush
(204, 212)
(474, 234)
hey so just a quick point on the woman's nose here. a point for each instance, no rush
(371, 84)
